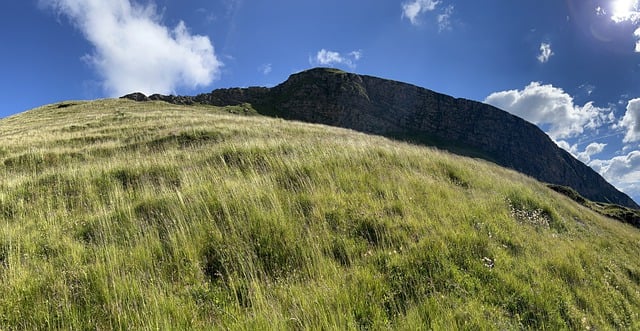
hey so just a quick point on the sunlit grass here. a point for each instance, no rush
(124, 215)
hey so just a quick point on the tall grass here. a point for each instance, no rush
(124, 215)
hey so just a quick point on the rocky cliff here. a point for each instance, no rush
(407, 112)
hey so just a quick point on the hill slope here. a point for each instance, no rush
(123, 215)
(403, 111)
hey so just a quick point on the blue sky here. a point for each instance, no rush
(572, 67)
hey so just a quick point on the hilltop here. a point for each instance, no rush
(117, 214)
(407, 112)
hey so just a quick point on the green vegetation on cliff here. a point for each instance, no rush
(123, 215)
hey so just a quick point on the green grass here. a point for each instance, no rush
(124, 215)
(617, 212)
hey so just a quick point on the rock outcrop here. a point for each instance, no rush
(136, 96)
(407, 112)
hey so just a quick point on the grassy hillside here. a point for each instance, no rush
(123, 215)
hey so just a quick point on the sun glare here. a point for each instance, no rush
(623, 10)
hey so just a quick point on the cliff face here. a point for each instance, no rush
(408, 112)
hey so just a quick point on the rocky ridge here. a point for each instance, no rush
(411, 113)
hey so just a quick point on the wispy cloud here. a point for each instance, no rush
(444, 19)
(413, 9)
(265, 69)
(356, 55)
(545, 52)
(552, 106)
(134, 51)
(209, 17)
(587, 88)
(330, 58)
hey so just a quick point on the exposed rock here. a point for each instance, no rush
(419, 115)
(177, 100)
(65, 105)
(233, 96)
(137, 96)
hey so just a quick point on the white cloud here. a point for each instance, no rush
(133, 51)
(265, 69)
(552, 106)
(444, 19)
(545, 52)
(330, 58)
(357, 55)
(591, 150)
(413, 9)
(621, 171)
(573, 149)
(631, 121)
(584, 156)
